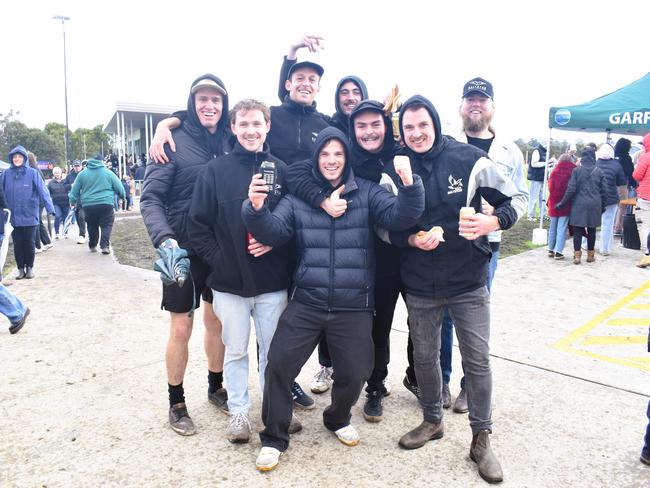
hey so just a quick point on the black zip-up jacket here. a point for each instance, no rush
(59, 192)
(336, 264)
(294, 128)
(217, 231)
(168, 188)
(455, 175)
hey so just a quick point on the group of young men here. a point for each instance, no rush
(321, 251)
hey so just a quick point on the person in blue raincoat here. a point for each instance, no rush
(24, 189)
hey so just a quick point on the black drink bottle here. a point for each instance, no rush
(267, 168)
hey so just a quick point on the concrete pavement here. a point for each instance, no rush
(83, 400)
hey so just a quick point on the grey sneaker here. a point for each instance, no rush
(322, 380)
(219, 399)
(446, 396)
(295, 425)
(180, 421)
(239, 429)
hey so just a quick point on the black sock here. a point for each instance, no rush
(215, 381)
(176, 394)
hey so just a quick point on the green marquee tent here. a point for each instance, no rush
(624, 111)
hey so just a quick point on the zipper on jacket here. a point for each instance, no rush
(299, 128)
(331, 284)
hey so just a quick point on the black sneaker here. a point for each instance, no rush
(373, 410)
(413, 388)
(558, 256)
(180, 421)
(300, 398)
(219, 399)
(16, 326)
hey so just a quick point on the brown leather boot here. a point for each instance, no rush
(577, 256)
(591, 256)
(426, 431)
(481, 453)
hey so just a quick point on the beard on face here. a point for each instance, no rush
(476, 124)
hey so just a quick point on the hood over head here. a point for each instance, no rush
(193, 125)
(95, 163)
(378, 107)
(605, 151)
(412, 103)
(322, 139)
(588, 156)
(357, 81)
(18, 150)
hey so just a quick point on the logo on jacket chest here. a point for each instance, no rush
(455, 185)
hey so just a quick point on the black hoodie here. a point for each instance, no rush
(167, 190)
(455, 175)
(217, 232)
(336, 264)
(339, 119)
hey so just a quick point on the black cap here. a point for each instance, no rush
(306, 64)
(478, 85)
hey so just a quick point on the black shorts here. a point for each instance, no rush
(179, 300)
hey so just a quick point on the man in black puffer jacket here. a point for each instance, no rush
(373, 150)
(165, 203)
(332, 292)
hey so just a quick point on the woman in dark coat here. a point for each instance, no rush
(622, 153)
(587, 194)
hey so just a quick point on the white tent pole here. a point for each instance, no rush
(548, 157)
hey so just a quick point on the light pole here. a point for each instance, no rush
(65, 85)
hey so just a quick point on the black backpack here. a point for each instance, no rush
(630, 232)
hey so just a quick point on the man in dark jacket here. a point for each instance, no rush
(373, 149)
(616, 186)
(78, 209)
(332, 292)
(452, 273)
(536, 177)
(165, 203)
(244, 283)
(59, 193)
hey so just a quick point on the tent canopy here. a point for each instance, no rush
(624, 111)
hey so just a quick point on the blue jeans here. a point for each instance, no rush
(535, 197)
(60, 215)
(607, 228)
(557, 233)
(471, 315)
(10, 305)
(235, 313)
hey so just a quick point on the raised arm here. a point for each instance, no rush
(163, 135)
(307, 41)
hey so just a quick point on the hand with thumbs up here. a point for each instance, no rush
(402, 165)
(257, 191)
(335, 206)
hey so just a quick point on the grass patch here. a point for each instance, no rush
(132, 246)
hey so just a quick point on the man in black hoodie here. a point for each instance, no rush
(332, 292)
(243, 283)
(165, 202)
(452, 273)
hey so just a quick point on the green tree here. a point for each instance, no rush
(88, 142)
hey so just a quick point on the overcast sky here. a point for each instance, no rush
(537, 54)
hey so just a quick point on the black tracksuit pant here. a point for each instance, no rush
(81, 220)
(348, 336)
(23, 238)
(99, 217)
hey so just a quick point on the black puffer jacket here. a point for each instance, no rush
(59, 192)
(217, 232)
(336, 264)
(168, 188)
(614, 177)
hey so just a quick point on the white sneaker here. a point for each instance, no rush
(268, 458)
(348, 435)
(57, 236)
(239, 429)
(38, 250)
(322, 380)
(81, 240)
(47, 247)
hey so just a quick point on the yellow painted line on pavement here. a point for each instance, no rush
(613, 340)
(639, 306)
(567, 343)
(630, 321)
